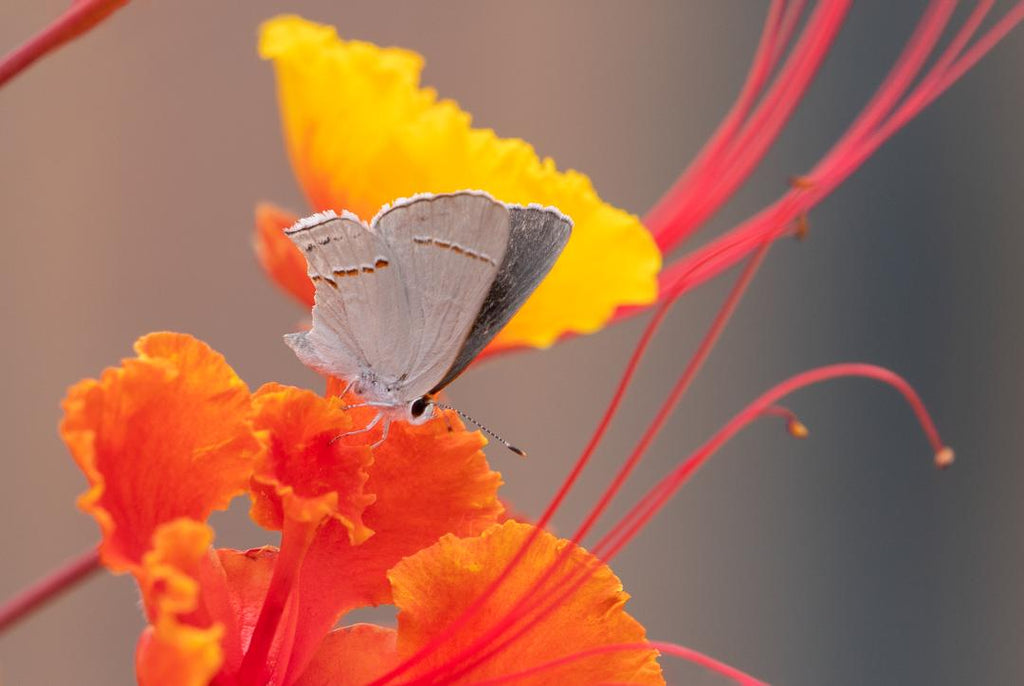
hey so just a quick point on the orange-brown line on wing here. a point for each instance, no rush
(454, 247)
(381, 263)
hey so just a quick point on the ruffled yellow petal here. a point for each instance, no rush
(361, 132)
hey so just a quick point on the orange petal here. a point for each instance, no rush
(306, 473)
(278, 256)
(201, 603)
(182, 644)
(427, 482)
(166, 435)
(434, 586)
(352, 656)
(361, 131)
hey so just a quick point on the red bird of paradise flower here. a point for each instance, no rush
(173, 433)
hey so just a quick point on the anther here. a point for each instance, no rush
(796, 428)
(944, 458)
(801, 183)
(802, 227)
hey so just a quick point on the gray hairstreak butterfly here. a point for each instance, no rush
(403, 305)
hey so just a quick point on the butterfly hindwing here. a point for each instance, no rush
(449, 248)
(537, 236)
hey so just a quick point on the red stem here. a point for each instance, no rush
(34, 597)
(76, 20)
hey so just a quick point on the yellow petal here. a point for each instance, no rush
(361, 132)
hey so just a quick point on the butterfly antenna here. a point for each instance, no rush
(499, 439)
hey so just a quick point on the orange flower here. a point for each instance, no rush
(173, 433)
(167, 435)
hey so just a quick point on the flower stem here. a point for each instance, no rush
(32, 598)
(76, 20)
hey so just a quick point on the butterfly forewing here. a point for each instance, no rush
(359, 297)
(449, 248)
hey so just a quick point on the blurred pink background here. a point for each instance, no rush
(130, 163)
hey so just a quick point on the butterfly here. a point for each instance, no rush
(404, 304)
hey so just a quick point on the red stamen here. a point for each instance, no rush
(862, 139)
(49, 587)
(707, 344)
(678, 216)
(76, 20)
(526, 604)
(769, 48)
(614, 541)
(548, 597)
(637, 518)
(563, 491)
(679, 651)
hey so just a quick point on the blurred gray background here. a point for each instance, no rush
(130, 163)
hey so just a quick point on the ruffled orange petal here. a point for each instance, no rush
(278, 256)
(307, 473)
(434, 586)
(352, 656)
(182, 645)
(166, 435)
(200, 602)
(361, 132)
(427, 482)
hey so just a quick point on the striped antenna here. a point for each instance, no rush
(499, 439)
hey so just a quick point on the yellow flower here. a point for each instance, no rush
(361, 132)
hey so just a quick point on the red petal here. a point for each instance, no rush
(352, 656)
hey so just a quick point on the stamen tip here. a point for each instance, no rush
(518, 451)
(797, 429)
(802, 183)
(944, 458)
(802, 227)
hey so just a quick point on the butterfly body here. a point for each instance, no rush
(405, 303)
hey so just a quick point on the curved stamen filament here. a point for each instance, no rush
(649, 505)
(703, 350)
(739, 147)
(673, 649)
(548, 597)
(613, 406)
(869, 131)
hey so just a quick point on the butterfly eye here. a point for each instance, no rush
(421, 408)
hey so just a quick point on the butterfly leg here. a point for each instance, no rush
(368, 427)
(383, 435)
(345, 390)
